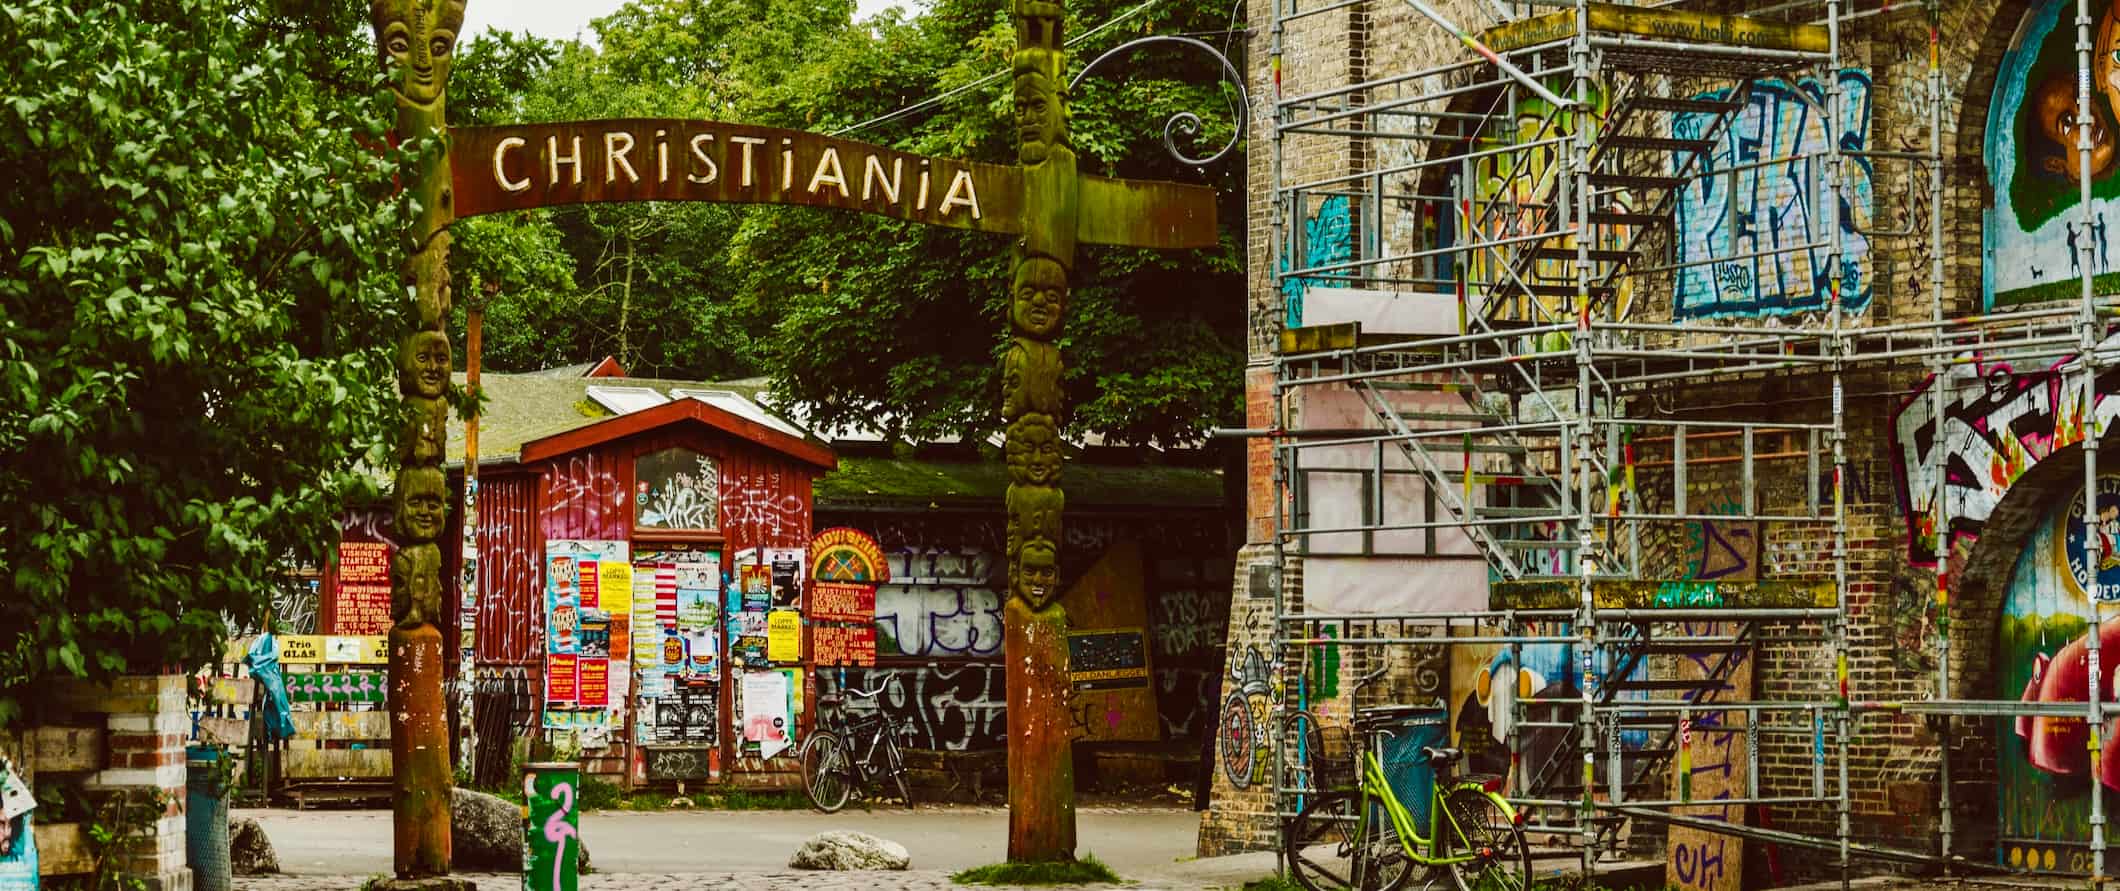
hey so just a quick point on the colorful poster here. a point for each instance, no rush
(647, 629)
(2046, 772)
(594, 682)
(18, 843)
(614, 585)
(754, 582)
(363, 602)
(573, 591)
(785, 566)
(784, 636)
(747, 637)
(562, 688)
(702, 654)
(841, 554)
(690, 714)
(844, 602)
(832, 645)
(766, 714)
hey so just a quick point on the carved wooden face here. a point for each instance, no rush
(1034, 450)
(416, 584)
(1030, 379)
(1034, 516)
(1037, 578)
(427, 421)
(423, 503)
(417, 38)
(1040, 297)
(1040, 120)
(423, 364)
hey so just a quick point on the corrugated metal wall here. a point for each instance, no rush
(511, 560)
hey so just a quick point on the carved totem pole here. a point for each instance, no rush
(1041, 770)
(415, 38)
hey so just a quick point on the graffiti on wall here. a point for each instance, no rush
(1732, 209)
(1995, 426)
(2034, 233)
(1328, 238)
(2042, 649)
(1712, 767)
(955, 707)
(1243, 744)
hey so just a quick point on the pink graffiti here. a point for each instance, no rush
(557, 830)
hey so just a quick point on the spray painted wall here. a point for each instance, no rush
(2046, 771)
(2035, 225)
(1732, 209)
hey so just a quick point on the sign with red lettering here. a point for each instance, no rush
(842, 602)
(843, 645)
(362, 603)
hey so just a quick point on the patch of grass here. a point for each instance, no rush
(1272, 883)
(1053, 872)
(742, 800)
(647, 801)
(598, 795)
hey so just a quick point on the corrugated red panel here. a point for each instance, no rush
(511, 561)
(765, 500)
(585, 495)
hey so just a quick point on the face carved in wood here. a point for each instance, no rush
(1034, 451)
(1030, 379)
(1040, 297)
(423, 504)
(416, 585)
(417, 39)
(1041, 124)
(1037, 576)
(426, 422)
(423, 365)
(1033, 516)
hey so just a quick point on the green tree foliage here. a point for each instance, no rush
(198, 300)
(861, 319)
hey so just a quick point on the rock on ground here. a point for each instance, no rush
(486, 834)
(840, 849)
(249, 851)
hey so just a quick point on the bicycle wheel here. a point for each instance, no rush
(1329, 849)
(1478, 822)
(825, 776)
(894, 764)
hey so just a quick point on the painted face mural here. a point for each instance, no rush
(2037, 238)
(2043, 655)
(418, 39)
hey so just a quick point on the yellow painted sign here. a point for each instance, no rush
(1672, 25)
(301, 649)
(614, 586)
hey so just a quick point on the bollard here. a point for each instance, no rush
(551, 827)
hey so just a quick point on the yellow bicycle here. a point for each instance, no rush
(1364, 838)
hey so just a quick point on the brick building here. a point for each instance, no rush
(1641, 373)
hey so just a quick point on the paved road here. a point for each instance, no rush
(749, 849)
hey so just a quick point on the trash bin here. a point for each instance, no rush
(552, 848)
(1405, 731)
(206, 818)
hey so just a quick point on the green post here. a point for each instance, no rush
(552, 848)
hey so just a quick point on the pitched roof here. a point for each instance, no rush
(675, 411)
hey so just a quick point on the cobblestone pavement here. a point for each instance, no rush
(909, 880)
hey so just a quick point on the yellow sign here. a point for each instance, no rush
(784, 636)
(614, 586)
(301, 649)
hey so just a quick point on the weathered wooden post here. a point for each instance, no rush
(1041, 785)
(415, 39)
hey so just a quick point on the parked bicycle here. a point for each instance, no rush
(845, 754)
(1365, 838)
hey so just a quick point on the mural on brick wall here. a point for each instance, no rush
(1995, 425)
(2041, 648)
(2035, 227)
(1731, 209)
(1514, 192)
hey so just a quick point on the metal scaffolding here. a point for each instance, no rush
(1518, 206)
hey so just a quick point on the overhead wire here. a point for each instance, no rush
(958, 91)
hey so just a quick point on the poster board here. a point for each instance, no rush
(362, 601)
(1711, 765)
(586, 601)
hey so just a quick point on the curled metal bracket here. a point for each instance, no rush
(1184, 121)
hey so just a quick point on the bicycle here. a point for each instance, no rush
(832, 770)
(1364, 838)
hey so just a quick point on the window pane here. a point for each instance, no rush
(676, 489)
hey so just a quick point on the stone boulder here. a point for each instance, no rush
(249, 851)
(840, 849)
(486, 834)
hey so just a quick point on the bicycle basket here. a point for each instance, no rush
(1401, 733)
(1330, 753)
